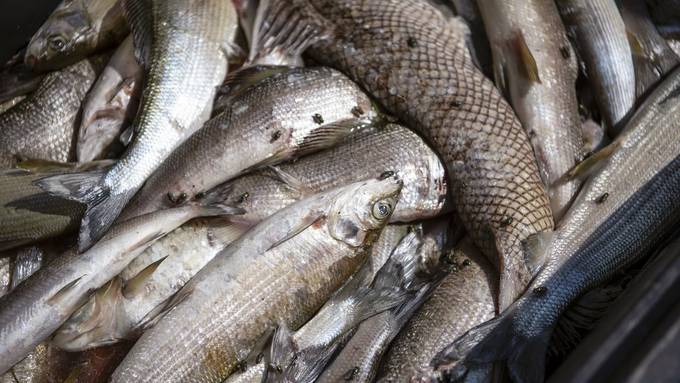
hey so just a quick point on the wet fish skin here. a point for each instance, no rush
(42, 126)
(133, 301)
(535, 64)
(365, 155)
(416, 64)
(110, 105)
(44, 301)
(333, 228)
(637, 184)
(600, 37)
(17, 80)
(74, 31)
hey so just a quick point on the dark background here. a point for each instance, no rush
(19, 19)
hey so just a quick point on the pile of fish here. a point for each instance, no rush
(328, 190)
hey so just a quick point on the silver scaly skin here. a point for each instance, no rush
(624, 209)
(283, 116)
(535, 64)
(601, 41)
(281, 271)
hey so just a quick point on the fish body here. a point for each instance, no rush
(110, 105)
(600, 36)
(42, 126)
(74, 31)
(417, 65)
(535, 64)
(17, 80)
(283, 116)
(281, 271)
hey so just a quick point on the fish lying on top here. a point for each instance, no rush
(536, 66)
(183, 46)
(600, 36)
(16, 80)
(416, 64)
(74, 31)
(46, 299)
(110, 105)
(279, 272)
(286, 115)
(627, 205)
(42, 126)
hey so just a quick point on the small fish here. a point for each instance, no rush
(74, 31)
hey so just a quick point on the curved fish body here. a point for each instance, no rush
(416, 64)
(74, 31)
(602, 43)
(42, 126)
(283, 116)
(110, 105)
(365, 155)
(534, 63)
(280, 272)
(624, 209)
(124, 307)
(652, 56)
(46, 300)
(184, 47)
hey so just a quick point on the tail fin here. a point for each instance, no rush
(214, 203)
(102, 207)
(400, 268)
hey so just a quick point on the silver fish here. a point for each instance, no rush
(183, 46)
(110, 105)
(635, 180)
(43, 302)
(284, 116)
(280, 272)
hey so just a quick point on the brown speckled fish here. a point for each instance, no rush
(416, 64)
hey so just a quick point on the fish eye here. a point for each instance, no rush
(381, 210)
(57, 43)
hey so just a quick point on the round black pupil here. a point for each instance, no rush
(57, 43)
(382, 209)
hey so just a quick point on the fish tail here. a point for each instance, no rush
(214, 203)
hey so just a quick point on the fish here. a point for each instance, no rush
(7, 105)
(32, 369)
(478, 41)
(131, 302)
(652, 56)
(416, 65)
(284, 116)
(183, 46)
(365, 155)
(600, 37)
(5, 274)
(279, 272)
(18, 81)
(42, 126)
(633, 180)
(536, 67)
(110, 105)
(39, 305)
(76, 30)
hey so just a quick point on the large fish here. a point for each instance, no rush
(366, 155)
(602, 43)
(416, 63)
(44, 301)
(280, 272)
(184, 47)
(74, 31)
(283, 116)
(43, 125)
(110, 105)
(626, 206)
(535, 64)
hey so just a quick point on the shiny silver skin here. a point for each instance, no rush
(74, 31)
(42, 126)
(624, 209)
(110, 105)
(125, 307)
(46, 300)
(601, 41)
(363, 156)
(259, 281)
(281, 117)
(546, 105)
(26, 262)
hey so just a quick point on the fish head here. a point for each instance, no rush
(364, 208)
(65, 38)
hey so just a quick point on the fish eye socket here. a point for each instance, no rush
(57, 43)
(381, 210)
